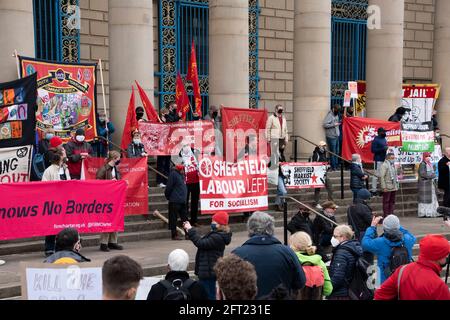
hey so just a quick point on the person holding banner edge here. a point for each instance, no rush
(77, 149)
(110, 171)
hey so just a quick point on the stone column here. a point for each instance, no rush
(384, 68)
(441, 65)
(130, 55)
(228, 53)
(312, 69)
(16, 23)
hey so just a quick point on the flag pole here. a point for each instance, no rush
(104, 104)
(15, 55)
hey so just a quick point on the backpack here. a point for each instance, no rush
(177, 289)
(315, 280)
(38, 165)
(358, 288)
(399, 257)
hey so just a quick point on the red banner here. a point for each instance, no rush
(233, 187)
(131, 122)
(238, 124)
(182, 98)
(132, 170)
(165, 139)
(192, 76)
(358, 134)
(66, 96)
(44, 208)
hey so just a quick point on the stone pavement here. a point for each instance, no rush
(153, 253)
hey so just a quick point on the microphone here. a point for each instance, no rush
(444, 211)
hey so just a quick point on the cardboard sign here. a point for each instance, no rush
(145, 286)
(15, 164)
(303, 175)
(417, 137)
(347, 98)
(233, 187)
(46, 281)
(353, 87)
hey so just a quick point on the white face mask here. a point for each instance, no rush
(334, 242)
(80, 138)
(137, 141)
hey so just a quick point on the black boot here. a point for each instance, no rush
(115, 246)
(104, 247)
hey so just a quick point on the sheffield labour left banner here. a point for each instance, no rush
(358, 134)
(17, 112)
(35, 209)
(233, 187)
(15, 164)
(66, 96)
(303, 175)
(132, 170)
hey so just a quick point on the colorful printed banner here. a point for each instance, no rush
(361, 101)
(165, 139)
(417, 137)
(15, 164)
(134, 172)
(233, 187)
(303, 175)
(34, 209)
(358, 134)
(66, 96)
(17, 116)
(420, 98)
(238, 124)
(403, 157)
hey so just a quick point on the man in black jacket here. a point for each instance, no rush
(301, 222)
(67, 248)
(177, 276)
(320, 155)
(176, 193)
(357, 175)
(444, 177)
(323, 230)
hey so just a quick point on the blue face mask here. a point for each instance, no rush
(213, 226)
(48, 136)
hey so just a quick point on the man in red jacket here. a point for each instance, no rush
(420, 280)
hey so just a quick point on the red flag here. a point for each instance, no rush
(182, 99)
(192, 76)
(152, 116)
(131, 123)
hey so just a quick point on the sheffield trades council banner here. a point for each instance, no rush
(44, 208)
(233, 187)
(66, 96)
(15, 164)
(303, 175)
(17, 112)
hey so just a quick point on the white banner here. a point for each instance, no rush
(15, 164)
(220, 204)
(415, 157)
(300, 175)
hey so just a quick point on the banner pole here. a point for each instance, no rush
(104, 105)
(15, 55)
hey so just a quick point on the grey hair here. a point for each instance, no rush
(355, 157)
(260, 223)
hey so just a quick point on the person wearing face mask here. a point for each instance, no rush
(320, 155)
(357, 175)
(136, 147)
(428, 201)
(301, 222)
(44, 145)
(345, 254)
(67, 247)
(109, 171)
(323, 230)
(379, 148)
(173, 115)
(420, 280)
(176, 194)
(277, 132)
(389, 184)
(210, 248)
(331, 125)
(77, 149)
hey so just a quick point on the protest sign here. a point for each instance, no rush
(45, 281)
(233, 187)
(34, 209)
(238, 126)
(303, 175)
(353, 87)
(15, 164)
(417, 137)
(17, 116)
(358, 134)
(165, 139)
(420, 99)
(361, 101)
(134, 172)
(145, 286)
(347, 98)
(67, 97)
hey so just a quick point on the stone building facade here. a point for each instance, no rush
(294, 48)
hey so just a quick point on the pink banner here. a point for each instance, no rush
(44, 208)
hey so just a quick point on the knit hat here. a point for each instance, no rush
(363, 194)
(391, 223)
(434, 247)
(79, 132)
(55, 142)
(322, 143)
(221, 218)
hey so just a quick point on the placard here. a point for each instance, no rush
(304, 175)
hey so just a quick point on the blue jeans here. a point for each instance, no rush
(210, 287)
(281, 191)
(355, 193)
(333, 146)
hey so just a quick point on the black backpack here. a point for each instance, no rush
(399, 257)
(177, 289)
(358, 287)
